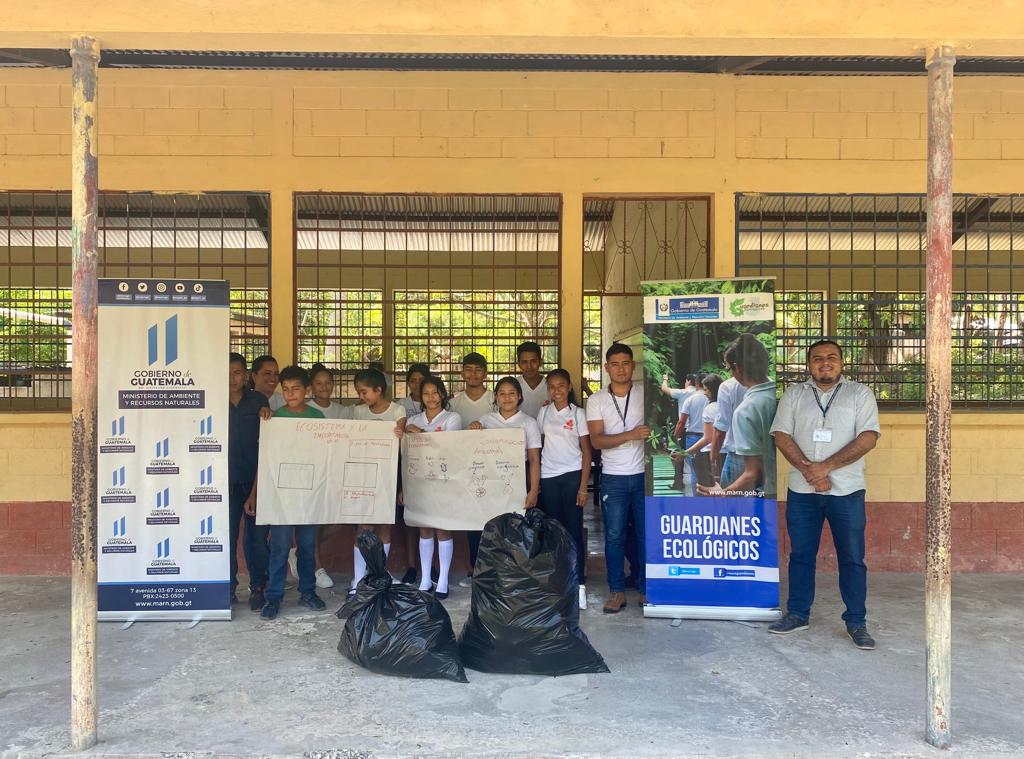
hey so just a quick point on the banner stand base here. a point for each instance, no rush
(211, 615)
(724, 613)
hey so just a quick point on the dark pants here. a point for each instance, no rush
(254, 541)
(620, 495)
(280, 545)
(256, 545)
(473, 538)
(805, 515)
(558, 500)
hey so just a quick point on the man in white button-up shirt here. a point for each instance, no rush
(824, 427)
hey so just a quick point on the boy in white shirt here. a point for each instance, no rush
(535, 389)
(471, 405)
(372, 387)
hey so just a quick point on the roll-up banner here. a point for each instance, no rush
(711, 515)
(162, 458)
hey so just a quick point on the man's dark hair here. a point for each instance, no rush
(616, 348)
(693, 379)
(259, 361)
(371, 378)
(838, 347)
(416, 369)
(437, 382)
(237, 358)
(316, 368)
(294, 373)
(747, 352)
(474, 359)
(529, 347)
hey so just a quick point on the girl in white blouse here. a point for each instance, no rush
(435, 417)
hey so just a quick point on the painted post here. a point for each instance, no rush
(85, 54)
(938, 387)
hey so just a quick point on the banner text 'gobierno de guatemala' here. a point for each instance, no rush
(711, 516)
(162, 449)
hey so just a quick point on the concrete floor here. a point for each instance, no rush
(708, 689)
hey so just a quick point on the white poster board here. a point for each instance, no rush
(326, 471)
(162, 452)
(460, 480)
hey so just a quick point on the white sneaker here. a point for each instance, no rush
(583, 596)
(323, 580)
(293, 563)
(466, 582)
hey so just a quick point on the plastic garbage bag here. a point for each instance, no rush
(525, 615)
(396, 629)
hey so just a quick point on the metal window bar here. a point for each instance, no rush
(213, 236)
(627, 241)
(851, 267)
(402, 279)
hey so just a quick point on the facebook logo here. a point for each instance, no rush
(162, 448)
(117, 427)
(163, 498)
(206, 475)
(118, 478)
(170, 342)
(206, 426)
(720, 572)
(163, 549)
(119, 528)
(206, 525)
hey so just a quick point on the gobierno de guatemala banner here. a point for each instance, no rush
(711, 524)
(162, 474)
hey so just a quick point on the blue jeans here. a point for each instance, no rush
(620, 494)
(256, 547)
(280, 545)
(732, 468)
(805, 515)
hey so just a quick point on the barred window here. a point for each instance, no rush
(402, 279)
(210, 236)
(852, 268)
(627, 241)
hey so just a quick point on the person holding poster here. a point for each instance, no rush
(508, 395)
(372, 385)
(824, 428)
(294, 386)
(435, 417)
(615, 418)
(565, 465)
(748, 361)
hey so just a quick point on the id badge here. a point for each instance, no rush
(822, 435)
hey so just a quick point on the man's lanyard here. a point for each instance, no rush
(827, 406)
(621, 413)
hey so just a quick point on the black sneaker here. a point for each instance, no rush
(256, 599)
(440, 596)
(312, 601)
(860, 638)
(790, 623)
(270, 610)
(410, 576)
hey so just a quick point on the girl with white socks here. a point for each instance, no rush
(435, 417)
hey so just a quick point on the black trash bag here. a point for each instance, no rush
(396, 629)
(525, 614)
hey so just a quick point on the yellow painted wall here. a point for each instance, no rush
(572, 134)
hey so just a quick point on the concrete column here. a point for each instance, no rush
(570, 299)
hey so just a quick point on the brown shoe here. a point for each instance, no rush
(615, 603)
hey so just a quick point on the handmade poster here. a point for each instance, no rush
(461, 480)
(162, 466)
(711, 517)
(326, 471)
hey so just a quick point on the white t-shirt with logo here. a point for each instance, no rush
(562, 431)
(470, 410)
(334, 411)
(533, 397)
(392, 413)
(531, 430)
(627, 458)
(445, 421)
